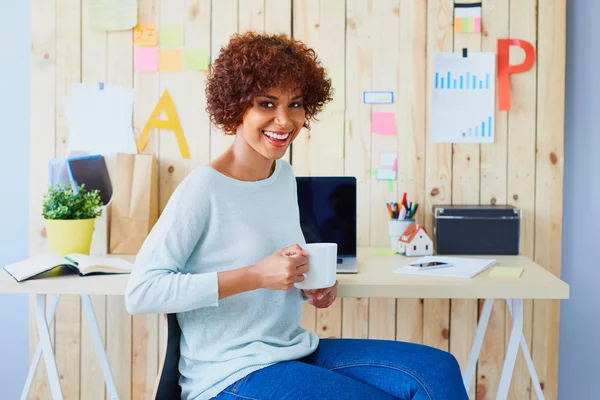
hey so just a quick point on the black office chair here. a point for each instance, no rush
(167, 383)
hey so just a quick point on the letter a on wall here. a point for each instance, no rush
(171, 123)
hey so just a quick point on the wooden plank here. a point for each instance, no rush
(118, 320)
(549, 183)
(411, 138)
(226, 12)
(42, 134)
(94, 59)
(438, 167)
(465, 190)
(312, 23)
(278, 19)
(145, 331)
(251, 16)
(385, 60)
(278, 16)
(521, 165)
(355, 318)
(357, 140)
(493, 189)
(68, 71)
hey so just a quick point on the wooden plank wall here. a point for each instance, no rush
(365, 45)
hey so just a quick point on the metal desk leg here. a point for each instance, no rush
(42, 325)
(516, 334)
(474, 356)
(529, 362)
(38, 350)
(100, 351)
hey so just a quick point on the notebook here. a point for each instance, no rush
(79, 263)
(465, 268)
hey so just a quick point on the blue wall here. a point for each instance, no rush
(579, 357)
(14, 190)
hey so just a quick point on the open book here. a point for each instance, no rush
(79, 263)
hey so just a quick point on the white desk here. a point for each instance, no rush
(375, 279)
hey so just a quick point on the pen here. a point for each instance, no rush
(402, 214)
(403, 202)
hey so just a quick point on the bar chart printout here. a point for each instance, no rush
(462, 101)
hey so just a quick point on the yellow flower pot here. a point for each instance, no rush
(70, 235)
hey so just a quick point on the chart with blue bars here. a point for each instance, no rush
(483, 129)
(463, 94)
(465, 81)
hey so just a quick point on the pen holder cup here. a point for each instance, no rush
(396, 228)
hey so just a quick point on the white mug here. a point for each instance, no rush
(322, 264)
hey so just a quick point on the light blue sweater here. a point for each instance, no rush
(215, 223)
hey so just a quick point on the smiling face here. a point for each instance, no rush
(273, 122)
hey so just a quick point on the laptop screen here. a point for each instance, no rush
(328, 211)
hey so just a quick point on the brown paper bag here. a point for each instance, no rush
(134, 203)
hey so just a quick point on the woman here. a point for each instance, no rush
(227, 250)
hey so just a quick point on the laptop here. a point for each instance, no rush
(328, 214)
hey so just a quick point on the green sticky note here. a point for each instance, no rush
(384, 252)
(171, 35)
(196, 60)
(390, 187)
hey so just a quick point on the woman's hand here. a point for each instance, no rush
(281, 269)
(322, 298)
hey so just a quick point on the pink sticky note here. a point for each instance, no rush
(145, 59)
(477, 25)
(383, 123)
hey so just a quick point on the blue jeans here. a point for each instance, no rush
(344, 369)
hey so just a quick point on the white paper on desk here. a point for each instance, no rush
(100, 120)
(463, 94)
(461, 267)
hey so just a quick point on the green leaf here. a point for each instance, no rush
(62, 202)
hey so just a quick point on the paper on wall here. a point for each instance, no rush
(463, 92)
(100, 120)
(113, 15)
(388, 159)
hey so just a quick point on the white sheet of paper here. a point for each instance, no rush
(385, 174)
(113, 15)
(58, 169)
(463, 94)
(387, 158)
(100, 121)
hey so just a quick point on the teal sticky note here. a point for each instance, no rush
(171, 35)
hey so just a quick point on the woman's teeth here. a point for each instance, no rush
(276, 136)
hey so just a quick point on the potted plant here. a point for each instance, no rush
(70, 216)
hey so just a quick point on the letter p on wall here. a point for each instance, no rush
(505, 69)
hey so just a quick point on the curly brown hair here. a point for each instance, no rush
(252, 63)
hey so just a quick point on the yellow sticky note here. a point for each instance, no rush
(170, 61)
(171, 35)
(145, 35)
(196, 60)
(171, 123)
(506, 272)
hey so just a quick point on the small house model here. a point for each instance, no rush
(415, 242)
